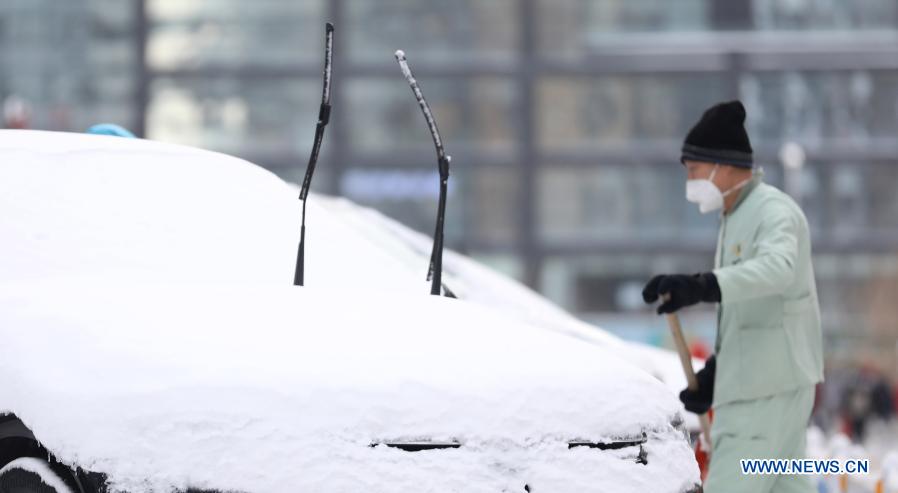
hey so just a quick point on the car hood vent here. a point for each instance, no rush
(641, 458)
(613, 445)
(419, 446)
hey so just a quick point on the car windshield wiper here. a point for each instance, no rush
(324, 114)
(435, 269)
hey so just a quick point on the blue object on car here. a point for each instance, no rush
(111, 129)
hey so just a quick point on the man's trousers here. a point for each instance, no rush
(773, 427)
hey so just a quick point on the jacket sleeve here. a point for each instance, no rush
(772, 269)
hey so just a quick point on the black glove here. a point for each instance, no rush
(684, 290)
(699, 401)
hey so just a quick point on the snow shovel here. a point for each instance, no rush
(673, 321)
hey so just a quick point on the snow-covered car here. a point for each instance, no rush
(151, 340)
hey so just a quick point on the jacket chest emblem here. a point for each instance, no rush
(737, 250)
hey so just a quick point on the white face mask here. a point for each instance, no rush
(706, 194)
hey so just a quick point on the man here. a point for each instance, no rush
(768, 350)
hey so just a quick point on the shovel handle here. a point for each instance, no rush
(676, 330)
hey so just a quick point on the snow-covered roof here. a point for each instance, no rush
(90, 205)
(150, 331)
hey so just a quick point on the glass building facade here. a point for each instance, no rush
(564, 119)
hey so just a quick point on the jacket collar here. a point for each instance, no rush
(756, 179)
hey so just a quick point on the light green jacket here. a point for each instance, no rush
(768, 334)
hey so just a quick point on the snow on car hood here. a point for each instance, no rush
(278, 388)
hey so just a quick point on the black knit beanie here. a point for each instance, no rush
(720, 137)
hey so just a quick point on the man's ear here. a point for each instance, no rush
(739, 173)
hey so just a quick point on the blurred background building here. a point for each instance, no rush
(564, 119)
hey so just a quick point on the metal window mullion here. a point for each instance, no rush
(530, 251)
